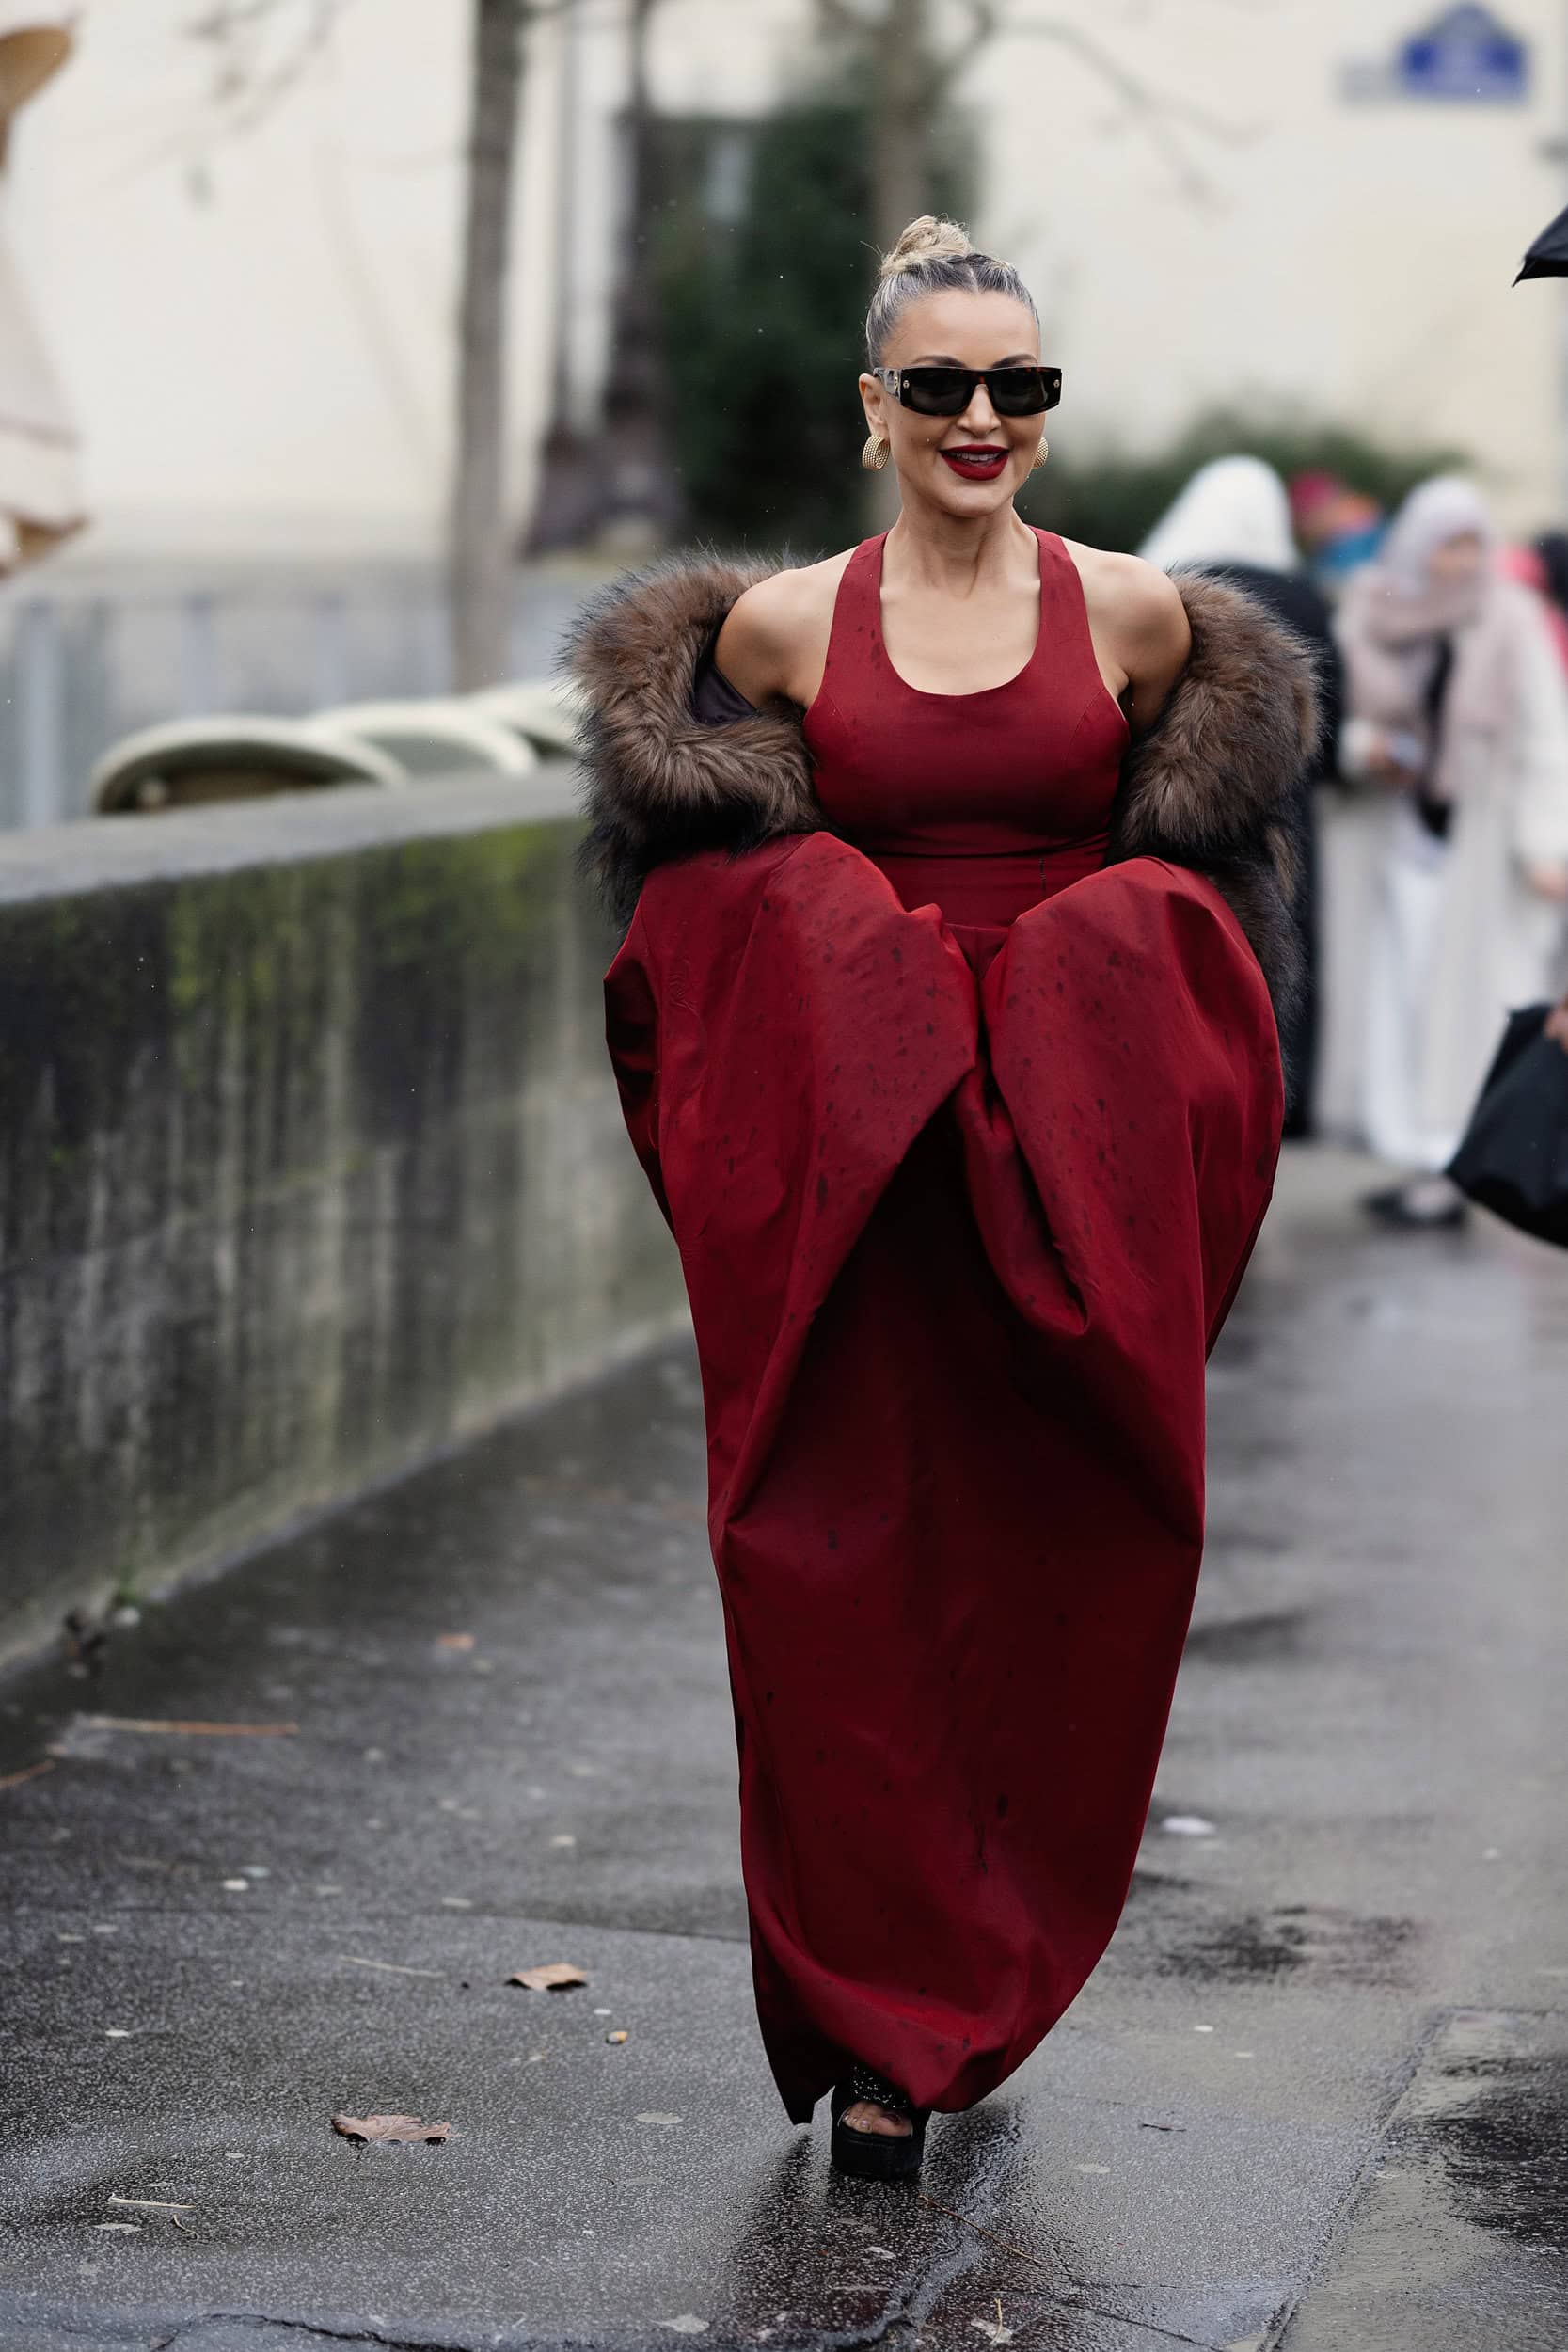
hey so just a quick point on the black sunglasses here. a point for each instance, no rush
(947, 391)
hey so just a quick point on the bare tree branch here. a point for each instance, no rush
(249, 76)
(245, 88)
(839, 16)
(1156, 113)
(1160, 117)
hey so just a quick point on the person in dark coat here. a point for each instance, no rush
(1233, 521)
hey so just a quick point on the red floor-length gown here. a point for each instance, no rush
(965, 1140)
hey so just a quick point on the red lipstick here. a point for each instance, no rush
(976, 461)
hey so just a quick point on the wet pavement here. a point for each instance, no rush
(1316, 2098)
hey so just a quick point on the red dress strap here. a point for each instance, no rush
(855, 632)
(1066, 639)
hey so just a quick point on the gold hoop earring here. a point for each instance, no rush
(1040, 456)
(874, 456)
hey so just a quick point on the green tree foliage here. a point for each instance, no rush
(761, 317)
(759, 331)
(1113, 501)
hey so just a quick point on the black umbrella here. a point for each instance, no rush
(1548, 256)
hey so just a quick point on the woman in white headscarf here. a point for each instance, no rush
(1235, 511)
(1459, 712)
(1233, 520)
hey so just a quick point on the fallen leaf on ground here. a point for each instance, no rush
(191, 1730)
(454, 1641)
(616, 2037)
(552, 1976)
(28, 1772)
(389, 2127)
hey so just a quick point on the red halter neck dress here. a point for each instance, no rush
(964, 1138)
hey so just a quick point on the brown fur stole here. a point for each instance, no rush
(1213, 784)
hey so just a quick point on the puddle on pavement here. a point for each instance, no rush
(817, 2259)
(1267, 1637)
(1460, 2241)
(1322, 1947)
(1500, 2121)
(1176, 1928)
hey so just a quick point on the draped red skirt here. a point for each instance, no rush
(960, 1215)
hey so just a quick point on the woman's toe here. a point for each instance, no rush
(866, 2116)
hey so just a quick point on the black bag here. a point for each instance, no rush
(1515, 1156)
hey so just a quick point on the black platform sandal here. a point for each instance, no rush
(876, 2155)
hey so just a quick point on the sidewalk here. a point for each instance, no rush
(1317, 2096)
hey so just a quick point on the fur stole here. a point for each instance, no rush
(1215, 784)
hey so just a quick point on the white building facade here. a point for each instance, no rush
(1214, 205)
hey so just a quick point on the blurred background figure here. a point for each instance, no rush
(1233, 518)
(1338, 528)
(1528, 565)
(1459, 713)
(39, 495)
(1550, 552)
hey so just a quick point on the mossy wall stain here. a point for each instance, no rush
(305, 1170)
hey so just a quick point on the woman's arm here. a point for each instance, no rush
(755, 645)
(1140, 630)
(774, 642)
(1154, 639)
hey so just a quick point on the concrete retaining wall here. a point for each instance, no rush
(309, 1163)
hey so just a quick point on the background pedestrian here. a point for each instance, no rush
(1233, 518)
(1459, 713)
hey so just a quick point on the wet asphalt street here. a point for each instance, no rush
(1315, 2097)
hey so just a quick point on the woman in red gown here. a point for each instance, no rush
(955, 878)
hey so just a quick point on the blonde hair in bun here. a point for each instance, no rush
(926, 239)
(934, 257)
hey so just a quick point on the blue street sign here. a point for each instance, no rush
(1466, 56)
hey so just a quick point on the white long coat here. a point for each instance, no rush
(1460, 924)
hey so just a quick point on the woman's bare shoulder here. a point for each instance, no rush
(775, 639)
(1136, 596)
(1137, 615)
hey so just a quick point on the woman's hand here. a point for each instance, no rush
(1557, 1023)
(1549, 881)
